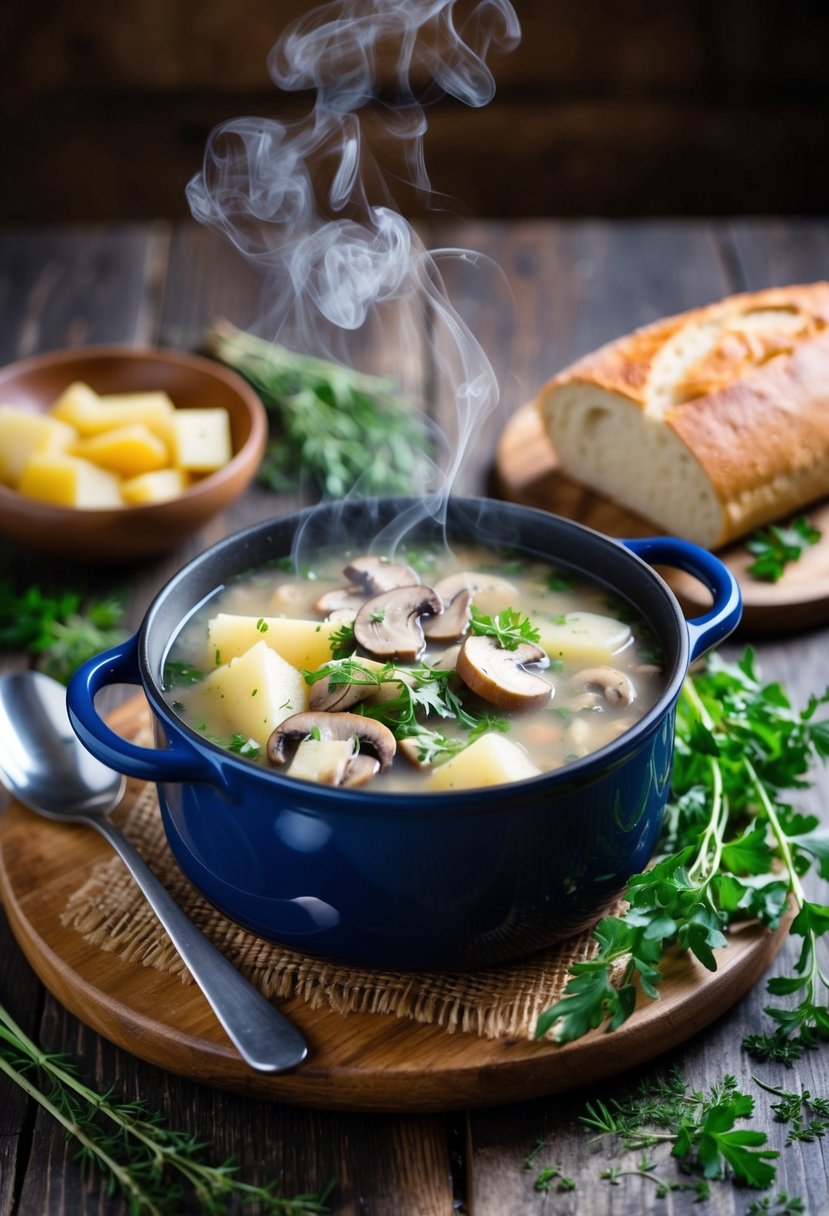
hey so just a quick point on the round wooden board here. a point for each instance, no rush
(356, 1061)
(527, 471)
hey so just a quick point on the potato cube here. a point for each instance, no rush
(79, 406)
(125, 450)
(323, 760)
(91, 414)
(154, 487)
(581, 637)
(253, 693)
(306, 645)
(201, 440)
(490, 760)
(69, 481)
(23, 435)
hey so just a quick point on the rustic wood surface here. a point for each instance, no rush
(562, 289)
(363, 1061)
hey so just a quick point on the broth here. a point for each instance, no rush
(538, 667)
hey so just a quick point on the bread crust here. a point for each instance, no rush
(750, 405)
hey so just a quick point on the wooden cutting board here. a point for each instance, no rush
(527, 471)
(356, 1061)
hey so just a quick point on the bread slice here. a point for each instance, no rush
(709, 423)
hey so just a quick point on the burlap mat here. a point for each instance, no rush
(110, 911)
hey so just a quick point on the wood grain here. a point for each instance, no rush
(574, 285)
(357, 1061)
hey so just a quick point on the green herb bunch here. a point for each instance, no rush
(733, 849)
(60, 630)
(338, 427)
(159, 1171)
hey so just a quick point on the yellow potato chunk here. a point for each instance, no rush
(91, 414)
(125, 450)
(69, 481)
(253, 693)
(582, 637)
(306, 645)
(23, 435)
(490, 760)
(201, 439)
(154, 487)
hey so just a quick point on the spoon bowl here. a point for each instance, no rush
(44, 765)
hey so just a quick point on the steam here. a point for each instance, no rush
(310, 202)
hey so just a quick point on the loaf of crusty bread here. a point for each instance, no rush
(709, 423)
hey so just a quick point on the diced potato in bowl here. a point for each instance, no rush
(112, 409)
(89, 450)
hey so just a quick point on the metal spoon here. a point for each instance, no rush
(45, 766)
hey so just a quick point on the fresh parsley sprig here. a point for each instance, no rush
(778, 545)
(339, 428)
(60, 630)
(159, 1170)
(739, 851)
(422, 691)
(509, 627)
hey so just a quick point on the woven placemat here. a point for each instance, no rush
(110, 912)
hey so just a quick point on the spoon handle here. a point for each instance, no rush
(264, 1037)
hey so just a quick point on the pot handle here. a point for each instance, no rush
(179, 762)
(707, 630)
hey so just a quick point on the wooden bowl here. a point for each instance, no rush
(109, 535)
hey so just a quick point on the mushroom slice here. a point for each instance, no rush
(360, 769)
(498, 675)
(340, 597)
(456, 596)
(345, 684)
(372, 736)
(341, 614)
(388, 625)
(612, 684)
(378, 574)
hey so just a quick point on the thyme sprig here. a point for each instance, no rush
(701, 1129)
(159, 1171)
(338, 427)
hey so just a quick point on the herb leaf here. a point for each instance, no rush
(732, 847)
(62, 630)
(508, 626)
(776, 546)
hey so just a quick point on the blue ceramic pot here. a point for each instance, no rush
(449, 880)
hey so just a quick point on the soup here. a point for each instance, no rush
(431, 672)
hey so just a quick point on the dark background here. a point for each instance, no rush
(663, 107)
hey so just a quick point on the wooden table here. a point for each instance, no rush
(563, 289)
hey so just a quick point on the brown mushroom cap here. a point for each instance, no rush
(498, 676)
(612, 684)
(388, 625)
(378, 574)
(333, 695)
(376, 738)
(341, 597)
(456, 596)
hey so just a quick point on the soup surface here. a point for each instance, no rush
(433, 671)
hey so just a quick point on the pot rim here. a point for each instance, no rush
(577, 772)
